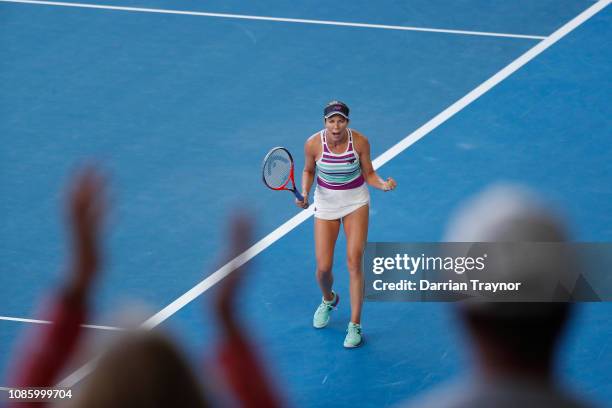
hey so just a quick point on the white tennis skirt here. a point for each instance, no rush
(335, 204)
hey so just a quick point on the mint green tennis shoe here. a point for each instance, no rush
(321, 316)
(353, 336)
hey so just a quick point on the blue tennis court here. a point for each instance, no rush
(179, 110)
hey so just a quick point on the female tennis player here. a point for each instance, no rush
(340, 159)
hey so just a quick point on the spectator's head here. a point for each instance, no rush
(516, 335)
(142, 370)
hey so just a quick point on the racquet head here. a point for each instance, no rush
(278, 169)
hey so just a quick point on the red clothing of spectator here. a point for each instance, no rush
(46, 353)
(45, 356)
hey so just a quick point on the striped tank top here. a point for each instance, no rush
(339, 171)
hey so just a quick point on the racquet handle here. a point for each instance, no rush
(298, 195)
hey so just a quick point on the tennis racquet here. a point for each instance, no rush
(278, 171)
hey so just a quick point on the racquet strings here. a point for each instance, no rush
(277, 168)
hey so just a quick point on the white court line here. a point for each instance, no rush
(88, 326)
(296, 220)
(276, 19)
(490, 83)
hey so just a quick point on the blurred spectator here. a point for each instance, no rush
(513, 344)
(46, 353)
(143, 369)
(243, 372)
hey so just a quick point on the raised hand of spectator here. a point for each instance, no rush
(241, 227)
(86, 210)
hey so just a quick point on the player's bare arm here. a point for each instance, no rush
(311, 149)
(362, 145)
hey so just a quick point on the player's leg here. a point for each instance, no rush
(326, 234)
(356, 231)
